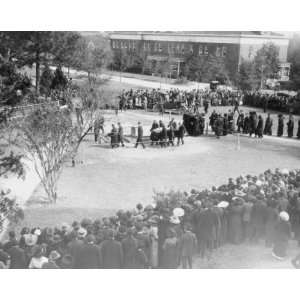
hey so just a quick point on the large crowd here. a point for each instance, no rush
(252, 123)
(276, 101)
(172, 230)
(175, 98)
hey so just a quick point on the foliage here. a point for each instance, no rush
(265, 64)
(9, 209)
(12, 83)
(59, 80)
(294, 59)
(46, 81)
(266, 61)
(46, 135)
(206, 68)
(91, 56)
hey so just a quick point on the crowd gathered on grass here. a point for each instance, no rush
(176, 98)
(172, 231)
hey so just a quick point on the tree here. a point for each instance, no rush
(59, 80)
(266, 62)
(46, 137)
(294, 59)
(206, 68)
(38, 48)
(46, 81)
(246, 79)
(90, 56)
(10, 163)
(13, 85)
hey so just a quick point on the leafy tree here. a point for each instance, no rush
(46, 81)
(90, 56)
(59, 80)
(10, 163)
(266, 62)
(46, 135)
(13, 85)
(206, 68)
(294, 59)
(265, 65)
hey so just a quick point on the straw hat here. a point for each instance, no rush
(178, 212)
(284, 216)
(223, 204)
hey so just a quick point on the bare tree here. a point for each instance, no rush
(46, 137)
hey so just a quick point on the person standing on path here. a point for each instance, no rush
(121, 134)
(140, 136)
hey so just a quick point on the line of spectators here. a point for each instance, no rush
(175, 98)
(251, 123)
(279, 102)
(169, 233)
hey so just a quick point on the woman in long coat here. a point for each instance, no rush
(170, 251)
(290, 126)
(271, 221)
(282, 235)
(260, 127)
(235, 222)
(280, 125)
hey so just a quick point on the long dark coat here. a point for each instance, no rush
(112, 254)
(235, 224)
(130, 246)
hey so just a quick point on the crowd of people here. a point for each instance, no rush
(276, 101)
(175, 98)
(160, 134)
(172, 230)
(251, 123)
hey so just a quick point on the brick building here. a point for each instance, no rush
(229, 47)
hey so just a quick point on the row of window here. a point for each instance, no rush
(173, 48)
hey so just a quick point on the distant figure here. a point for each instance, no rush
(290, 126)
(113, 136)
(77, 102)
(260, 127)
(181, 132)
(140, 136)
(268, 125)
(280, 125)
(121, 134)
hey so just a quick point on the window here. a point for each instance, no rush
(125, 45)
(218, 51)
(250, 53)
(224, 51)
(113, 44)
(178, 48)
(159, 47)
(169, 48)
(145, 46)
(205, 50)
(201, 50)
(155, 47)
(182, 48)
(133, 45)
(191, 49)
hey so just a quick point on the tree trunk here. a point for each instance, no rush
(37, 73)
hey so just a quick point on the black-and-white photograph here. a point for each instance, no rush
(149, 149)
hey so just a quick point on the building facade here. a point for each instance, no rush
(230, 48)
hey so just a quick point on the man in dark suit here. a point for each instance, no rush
(112, 253)
(140, 136)
(181, 132)
(89, 255)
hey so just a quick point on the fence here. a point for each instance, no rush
(20, 111)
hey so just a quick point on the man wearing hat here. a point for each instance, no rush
(89, 255)
(129, 247)
(282, 235)
(140, 136)
(112, 253)
(187, 247)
